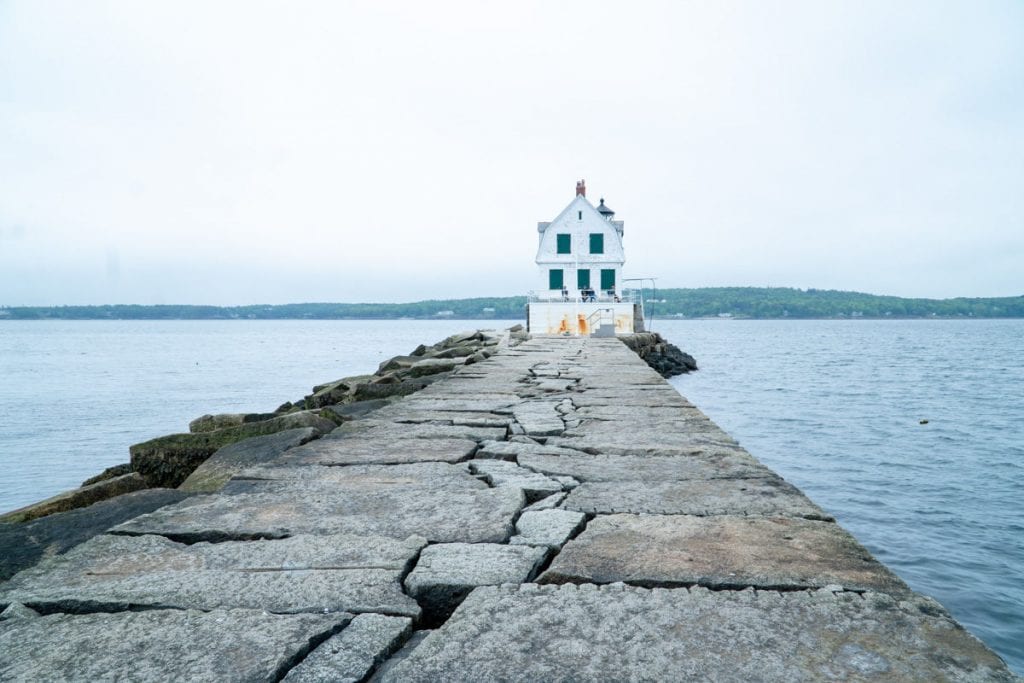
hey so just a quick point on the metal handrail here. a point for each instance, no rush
(573, 296)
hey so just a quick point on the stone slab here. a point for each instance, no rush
(27, 543)
(622, 633)
(160, 645)
(511, 450)
(624, 442)
(539, 418)
(473, 403)
(500, 473)
(548, 503)
(385, 430)
(757, 497)
(722, 552)
(723, 465)
(299, 574)
(291, 478)
(550, 528)
(373, 451)
(452, 417)
(441, 516)
(352, 655)
(216, 470)
(447, 572)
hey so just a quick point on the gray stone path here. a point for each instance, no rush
(505, 523)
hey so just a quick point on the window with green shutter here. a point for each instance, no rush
(607, 278)
(564, 243)
(583, 278)
(596, 243)
(555, 278)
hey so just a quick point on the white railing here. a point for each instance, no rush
(631, 296)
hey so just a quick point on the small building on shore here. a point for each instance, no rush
(579, 262)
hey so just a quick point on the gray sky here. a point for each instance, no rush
(241, 152)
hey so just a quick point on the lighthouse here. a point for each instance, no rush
(579, 270)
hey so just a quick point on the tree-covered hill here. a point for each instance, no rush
(736, 302)
(785, 302)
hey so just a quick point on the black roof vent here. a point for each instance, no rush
(605, 211)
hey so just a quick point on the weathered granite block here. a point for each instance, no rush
(438, 475)
(539, 418)
(337, 573)
(722, 465)
(507, 474)
(613, 633)
(76, 498)
(160, 645)
(511, 450)
(447, 572)
(759, 497)
(551, 528)
(216, 470)
(25, 544)
(350, 656)
(356, 450)
(441, 516)
(168, 460)
(777, 553)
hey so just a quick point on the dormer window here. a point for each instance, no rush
(564, 245)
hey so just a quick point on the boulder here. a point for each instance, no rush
(334, 392)
(349, 411)
(77, 498)
(109, 473)
(667, 359)
(209, 423)
(433, 366)
(397, 363)
(25, 544)
(168, 460)
(459, 351)
(212, 474)
(377, 390)
(460, 338)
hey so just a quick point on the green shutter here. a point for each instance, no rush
(564, 244)
(583, 278)
(555, 279)
(607, 278)
(596, 243)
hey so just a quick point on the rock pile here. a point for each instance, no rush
(168, 461)
(667, 359)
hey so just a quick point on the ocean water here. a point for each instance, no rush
(833, 406)
(836, 408)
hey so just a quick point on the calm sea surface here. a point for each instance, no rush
(833, 406)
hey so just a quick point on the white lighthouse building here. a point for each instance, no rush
(579, 263)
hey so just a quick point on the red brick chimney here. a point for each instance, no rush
(581, 188)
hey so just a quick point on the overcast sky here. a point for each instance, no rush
(243, 152)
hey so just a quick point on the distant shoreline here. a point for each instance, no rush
(734, 303)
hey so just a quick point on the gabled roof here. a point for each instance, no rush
(579, 203)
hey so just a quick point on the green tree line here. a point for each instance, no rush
(737, 302)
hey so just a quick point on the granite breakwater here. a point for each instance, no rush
(549, 510)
